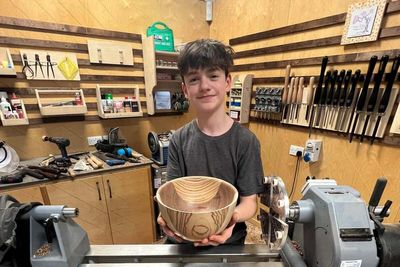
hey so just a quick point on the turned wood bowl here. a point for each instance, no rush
(196, 207)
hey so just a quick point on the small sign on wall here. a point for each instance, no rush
(363, 21)
(49, 65)
(110, 52)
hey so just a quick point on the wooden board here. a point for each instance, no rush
(110, 52)
(64, 65)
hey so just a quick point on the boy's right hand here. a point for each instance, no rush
(167, 230)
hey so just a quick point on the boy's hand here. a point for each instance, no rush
(216, 240)
(167, 230)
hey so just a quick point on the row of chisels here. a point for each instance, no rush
(340, 105)
(296, 99)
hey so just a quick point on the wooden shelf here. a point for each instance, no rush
(64, 104)
(152, 84)
(14, 122)
(134, 92)
(6, 63)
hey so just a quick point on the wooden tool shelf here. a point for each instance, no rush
(239, 98)
(15, 122)
(133, 91)
(160, 74)
(61, 102)
(6, 63)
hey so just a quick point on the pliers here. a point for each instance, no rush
(50, 65)
(37, 62)
(26, 69)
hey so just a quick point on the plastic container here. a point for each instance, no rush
(163, 36)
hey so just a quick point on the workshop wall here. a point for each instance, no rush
(357, 165)
(123, 16)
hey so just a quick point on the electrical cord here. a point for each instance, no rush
(5, 151)
(296, 173)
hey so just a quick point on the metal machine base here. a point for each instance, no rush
(179, 255)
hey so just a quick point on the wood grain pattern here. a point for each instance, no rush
(130, 204)
(196, 207)
(66, 29)
(88, 196)
(393, 7)
(25, 195)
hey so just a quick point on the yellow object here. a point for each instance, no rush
(68, 68)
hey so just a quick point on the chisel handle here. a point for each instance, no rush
(295, 90)
(290, 92)
(300, 91)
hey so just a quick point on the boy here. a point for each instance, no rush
(214, 144)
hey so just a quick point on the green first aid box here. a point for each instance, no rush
(163, 36)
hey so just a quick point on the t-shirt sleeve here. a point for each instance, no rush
(250, 170)
(173, 164)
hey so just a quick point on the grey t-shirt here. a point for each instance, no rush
(233, 157)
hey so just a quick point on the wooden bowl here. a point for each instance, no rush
(196, 207)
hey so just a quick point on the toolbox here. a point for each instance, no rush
(163, 36)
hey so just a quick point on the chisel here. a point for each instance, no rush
(326, 97)
(299, 97)
(318, 92)
(363, 95)
(289, 96)
(349, 99)
(294, 97)
(285, 92)
(342, 99)
(386, 96)
(336, 95)
(323, 96)
(374, 95)
(309, 96)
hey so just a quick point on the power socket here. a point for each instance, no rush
(92, 140)
(294, 149)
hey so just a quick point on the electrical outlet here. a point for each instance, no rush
(294, 149)
(313, 149)
(92, 140)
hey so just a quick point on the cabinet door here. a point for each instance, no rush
(130, 206)
(88, 195)
(25, 195)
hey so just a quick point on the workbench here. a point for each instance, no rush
(115, 203)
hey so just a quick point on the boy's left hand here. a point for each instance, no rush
(216, 240)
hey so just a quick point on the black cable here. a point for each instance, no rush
(296, 174)
(5, 152)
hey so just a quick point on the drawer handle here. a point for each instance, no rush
(98, 190)
(109, 188)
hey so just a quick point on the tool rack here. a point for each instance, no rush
(132, 89)
(48, 106)
(6, 69)
(239, 98)
(14, 122)
(160, 74)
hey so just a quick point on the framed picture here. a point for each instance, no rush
(363, 21)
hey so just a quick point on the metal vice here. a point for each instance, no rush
(55, 239)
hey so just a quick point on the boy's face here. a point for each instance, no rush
(206, 89)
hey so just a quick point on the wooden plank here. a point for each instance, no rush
(18, 23)
(91, 78)
(26, 42)
(308, 25)
(90, 106)
(27, 92)
(322, 42)
(16, 41)
(85, 63)
(346, 58)
(111, 78)
(63, 119)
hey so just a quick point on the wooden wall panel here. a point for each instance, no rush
(354, 164)
(122, 16)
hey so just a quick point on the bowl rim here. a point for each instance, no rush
(198, 176)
